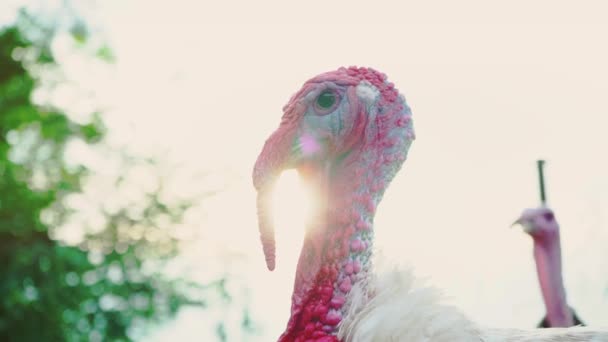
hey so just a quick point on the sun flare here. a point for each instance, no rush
(294, 204)
(292, 199)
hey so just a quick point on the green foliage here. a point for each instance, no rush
(107, 286)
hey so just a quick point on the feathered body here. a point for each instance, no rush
(347, 132)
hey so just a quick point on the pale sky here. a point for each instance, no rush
(493, 86)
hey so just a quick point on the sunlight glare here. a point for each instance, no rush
(292, 200)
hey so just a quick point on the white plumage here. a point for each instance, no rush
(400, 311)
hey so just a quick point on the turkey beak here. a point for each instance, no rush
(276, 156)
(522, 223)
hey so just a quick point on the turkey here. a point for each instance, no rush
(541, 224)
(347, 133)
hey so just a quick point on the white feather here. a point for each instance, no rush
(398, 310)
(390, 307)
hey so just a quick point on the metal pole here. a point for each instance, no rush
(541, 181)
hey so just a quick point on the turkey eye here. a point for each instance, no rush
(326, 99)
(326, 102)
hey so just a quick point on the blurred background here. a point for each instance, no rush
(128, 132)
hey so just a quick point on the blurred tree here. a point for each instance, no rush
(105, 285)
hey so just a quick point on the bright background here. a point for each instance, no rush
(493, 86)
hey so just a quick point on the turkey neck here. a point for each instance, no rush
(547, 252)
(336, 252)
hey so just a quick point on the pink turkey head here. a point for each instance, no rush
(540, 223)
(337, 119)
